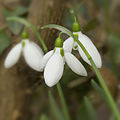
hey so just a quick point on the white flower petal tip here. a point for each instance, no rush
(33, 55)
(68, 44)
(99, 63)
(13, 56)
(75, 64)
(53, 70)
(92, 50)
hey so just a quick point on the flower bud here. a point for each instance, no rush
(24, 35)
(76, 26)
(59, 42)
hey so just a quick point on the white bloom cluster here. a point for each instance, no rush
(53, 62)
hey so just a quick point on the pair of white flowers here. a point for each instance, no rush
(53, 62)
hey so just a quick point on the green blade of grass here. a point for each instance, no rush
(43, 117)
(90, 110)
(56, 111)
(99, 90)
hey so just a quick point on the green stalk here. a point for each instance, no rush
(109, 97)
(63, 102)
(102, 83)
(30, 25)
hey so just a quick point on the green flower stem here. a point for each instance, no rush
(63, 102)
(102, 83)
(30, 25)
(110, 100)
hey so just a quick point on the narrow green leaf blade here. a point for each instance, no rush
(15, 27)
(56, 111)
(90, 110)
(43, 117)
(20, 11)
(4, 41)
(99, 90)
(81, 115)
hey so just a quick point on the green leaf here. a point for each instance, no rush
(20, 11)
(81, 115)
(92, 24)
(4, 41)
(43, 117)
(90, 110)
(114, 47)
(99, 2)
(99, 90)
(7, 12)
(14, 26)
(56, 111)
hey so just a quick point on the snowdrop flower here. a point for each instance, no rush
(30, 50)
(53, 63)
(70, 44)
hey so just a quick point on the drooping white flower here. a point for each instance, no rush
(53, 65)
(70, 44)
(31, 52)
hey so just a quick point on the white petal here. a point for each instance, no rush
(75, 64)
(40, 50)
(45, 58)
(68, 44)
(92, 50)
(53, 70)
(33, 55)
(13, 56)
